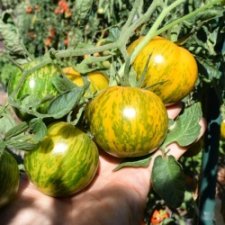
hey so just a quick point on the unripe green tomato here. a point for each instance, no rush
(37, 85)
(9, 178)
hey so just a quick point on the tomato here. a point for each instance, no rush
(64, 163)
(172, 70)
(127, 121)
(9, 178)
(37, 85)
(98, 80)
(222, 130)
(158, 216)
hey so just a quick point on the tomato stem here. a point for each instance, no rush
(151, 33)
(186, 17)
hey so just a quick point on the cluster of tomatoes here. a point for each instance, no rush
(124, 121)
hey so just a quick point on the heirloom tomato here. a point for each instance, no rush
(172, 70)
(65, 161)
(9, 178)
(222, 130)
(37, 85)
(98, 80)
(127, 121)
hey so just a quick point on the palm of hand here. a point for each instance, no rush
(113, 198)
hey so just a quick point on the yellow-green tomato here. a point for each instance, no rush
(171, 71)
(65, 161)
(127, 121)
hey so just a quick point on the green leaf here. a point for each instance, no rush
(63, 104)
(168, 180)
(2, 147)
(62, 83)
(141, 162)
(82, 8)
(16, 130)
(6, 121)
(38, 128)
(22, 142)
(12, 40)
(185, 129)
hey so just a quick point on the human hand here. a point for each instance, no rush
(113, 198)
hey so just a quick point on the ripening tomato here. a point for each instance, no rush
(127, 121)
(65, 161)
(9, 178)
(172, 70)
(158, 216)
(222, 130)
(98, 80)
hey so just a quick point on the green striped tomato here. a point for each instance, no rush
(65, 161)
(9, 178)
(37, 85)
(172, 70)
(127, 121)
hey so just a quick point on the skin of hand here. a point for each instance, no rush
(113, 198)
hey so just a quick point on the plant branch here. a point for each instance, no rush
(152, 32)
(186, 17)
(83, 51)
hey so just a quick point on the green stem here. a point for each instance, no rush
(186, 17)
(83, 51)
(151, 33)
(137, 4)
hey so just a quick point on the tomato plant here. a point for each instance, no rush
(172, 70)
(9, 178)
(65, 161)
(127, 121)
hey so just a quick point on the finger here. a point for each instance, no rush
(174, 110)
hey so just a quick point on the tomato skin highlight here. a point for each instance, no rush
(127, 121)
(64, 163)
(172, 71)
(9, 178)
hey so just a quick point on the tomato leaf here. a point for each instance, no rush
(38, 128)
(23, 142)
(62, 83)
(16, 130)
(168, 180)
(82, 8)
(6, 120)
(2, 148)
(185, 129)
(12, 40)
(142, 162)
(64, 103)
